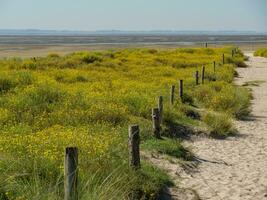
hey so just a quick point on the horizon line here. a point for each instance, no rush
(121, 30)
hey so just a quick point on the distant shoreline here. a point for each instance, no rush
(30, 46)
(185, 40)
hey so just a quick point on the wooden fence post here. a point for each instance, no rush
(203, 74)
(172, 95)
(71, 173)
(181, 90)
(156, 122)
(197, 78)
(223, 60)
(160, 107)
(134, 150)
(214, 66)
(206, 45)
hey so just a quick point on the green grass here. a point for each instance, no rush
(113, 181)
(167, 146)
(227, 98)
(220, 125)
(261, 52)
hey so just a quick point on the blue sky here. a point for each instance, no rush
(134, 14)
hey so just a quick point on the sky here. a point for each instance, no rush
(135, 15)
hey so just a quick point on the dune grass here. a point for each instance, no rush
(88, 99)
(220, 124)
(169, 146)
(261, 52)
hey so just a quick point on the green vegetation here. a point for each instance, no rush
(220, 124)
(88, 99)
(227, 98)
(261, 52)
(169, 146)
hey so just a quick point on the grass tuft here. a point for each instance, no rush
(261, 52)
(220, 124)
(167, 146)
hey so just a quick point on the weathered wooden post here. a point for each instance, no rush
(156, 122)
(160, 107)
(134, 150)
(203, 74)
(71, 173)
(206, 45)
(223, 60)
(197, 77)
(214, 66)
(172, 95)
(181, 89)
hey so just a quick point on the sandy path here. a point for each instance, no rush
(235, 168)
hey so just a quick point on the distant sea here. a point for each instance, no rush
(40, 37)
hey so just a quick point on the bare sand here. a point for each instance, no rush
(230, 169)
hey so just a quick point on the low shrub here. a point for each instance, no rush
(91, 58)
(53, 55)
(35, 103)
(29, 64)
(6, 84)
(188, 50)
(186, 98)
(81, 78)
(24, 78)
(181, 64)
(152, 51)
(12, 80)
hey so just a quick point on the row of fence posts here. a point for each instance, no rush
(71, 153)
(234, 51)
